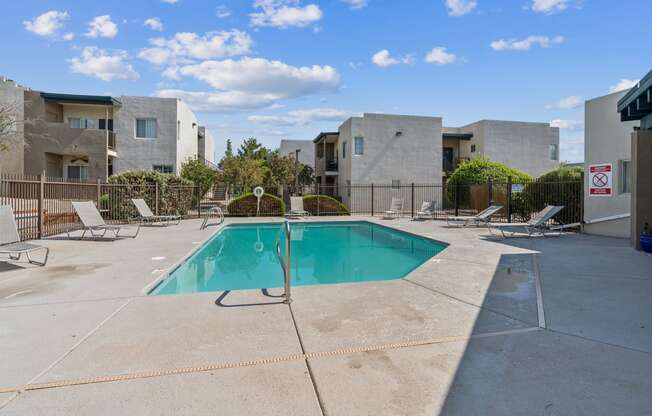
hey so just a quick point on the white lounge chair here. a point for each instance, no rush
(10, 239)
(481, 217)
(296, 207)
(428, 209)
(92, 221)
(537, 225)
(395, 209)
(147, 216)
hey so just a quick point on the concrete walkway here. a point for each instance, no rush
(554, 326)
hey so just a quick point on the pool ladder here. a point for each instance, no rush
(285, 264)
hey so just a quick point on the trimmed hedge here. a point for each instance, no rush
(327, 205)
(175, 193)
(245, 206)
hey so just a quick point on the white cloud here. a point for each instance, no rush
(154, 23)
(68, 36)
(103, 27)
(526, 44)
(554, 6)
(440, 56)
(624, 84)
(567, 103)
(356, 4)
(570, 125)
(47, 24)
(101, 64)
(170, 1)
(284, 13)
(251, 83)
(460, 7)
(222, 11)
(299, 118)
(185, 47)
(384, 59)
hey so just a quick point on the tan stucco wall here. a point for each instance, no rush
(11, 160)
(45, 138)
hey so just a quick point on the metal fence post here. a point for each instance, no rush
(412, 204)
(509, 199)
(40, 207)
(198, 201)
(156, 198)
(318, 198)
(99, 193)
(490, 186)
(457, 199)
(372, 199)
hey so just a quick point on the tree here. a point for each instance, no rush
(306, 175)
(242, 173)
(252, 149)
(229, 149)
(281, 170)
(198, 173)
(8, 126)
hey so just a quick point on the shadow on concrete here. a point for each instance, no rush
(593, 358)
(220, 300)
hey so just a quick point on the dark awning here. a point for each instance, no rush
(80, 99)
(458, 136)
(637, 103)
(325, 134)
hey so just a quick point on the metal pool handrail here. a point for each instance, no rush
(285, 266)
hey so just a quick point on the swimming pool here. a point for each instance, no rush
(243, 257)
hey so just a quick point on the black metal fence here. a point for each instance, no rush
(521, 200)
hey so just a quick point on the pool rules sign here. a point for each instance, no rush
(600, 180)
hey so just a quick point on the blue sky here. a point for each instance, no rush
(274, 69)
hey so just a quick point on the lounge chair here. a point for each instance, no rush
(428, 209)
(10, 239)
(481, 217)
(147, 216)
(395, 209)
(93, 222)
(296, 207)
(537, 225)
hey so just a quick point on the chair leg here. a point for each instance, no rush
(14, 257)
(38, 263)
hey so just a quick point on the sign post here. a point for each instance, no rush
(601, 180)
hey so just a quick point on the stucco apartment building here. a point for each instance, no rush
(84, 137)
(397, 149)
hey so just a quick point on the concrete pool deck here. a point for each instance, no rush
(551, 326)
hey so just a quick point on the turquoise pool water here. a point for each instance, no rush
(243, 257)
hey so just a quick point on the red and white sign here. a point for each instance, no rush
(600, 180)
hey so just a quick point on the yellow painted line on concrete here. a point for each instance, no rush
(252, 363)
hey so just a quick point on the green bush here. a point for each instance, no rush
(324, 205)
(175, 194)
(480, 171)
(563, 174)
(199, 174)
(245, 206)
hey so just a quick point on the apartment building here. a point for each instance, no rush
(396, 149)
(12, 103)
(305, 149)
(85, 137)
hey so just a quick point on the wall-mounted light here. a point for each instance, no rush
(399, 133)
(194, 125)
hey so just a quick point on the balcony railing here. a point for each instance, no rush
(111, 142)
(331, 166)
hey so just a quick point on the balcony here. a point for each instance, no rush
(111, 142)
(331, 166)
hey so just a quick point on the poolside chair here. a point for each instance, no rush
(395, 209)
(428, 209)
(537, 225)
(93, 222)
(147, 216)
(10, 239)
(481, 217)
(296, 207)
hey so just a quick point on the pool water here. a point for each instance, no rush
(243, 257)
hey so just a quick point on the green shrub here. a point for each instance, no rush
(563, 174)
(480, 171)
(175, 195)
(245, 206)
(324, 205)
(199, 174)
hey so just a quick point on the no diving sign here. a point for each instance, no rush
(600, 180)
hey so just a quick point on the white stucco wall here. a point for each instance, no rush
(307, 153)
(187, 138)
(209, 146)
(607, 140)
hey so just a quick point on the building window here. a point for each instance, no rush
(625, 176)
(396, 184)
(552, 152)
(163, 168)
(343, 150)
(102, 124)
(146, 128)
(77, 173)
(359, 145)
(81, 123)
(472, 148)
